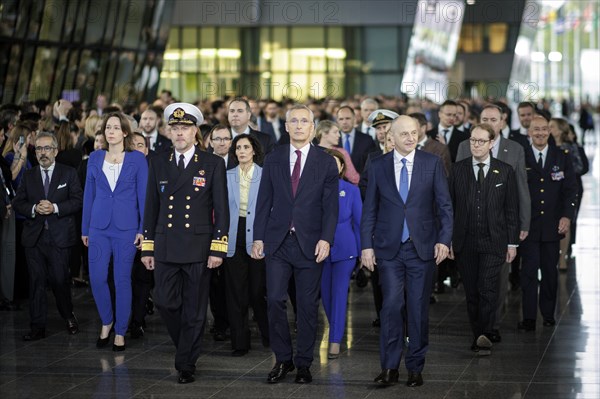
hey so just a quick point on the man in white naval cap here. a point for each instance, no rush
(381, 121)
(186, 220)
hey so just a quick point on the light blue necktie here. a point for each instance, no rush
(347, 144)
(404, 195)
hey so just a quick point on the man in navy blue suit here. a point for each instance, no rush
(406, 229)
(296, 217)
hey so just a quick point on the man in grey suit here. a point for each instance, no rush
(512, 153)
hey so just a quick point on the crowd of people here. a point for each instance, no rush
(247, 203)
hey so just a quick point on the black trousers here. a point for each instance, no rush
(218, 302)
(289, 260)
(142, 281)
(377, 295)
(181, 296)
(245, 285)
(480, 273)
(48, 263)
(543, 256)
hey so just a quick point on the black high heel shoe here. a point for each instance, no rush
(118, 348)
(102, 342)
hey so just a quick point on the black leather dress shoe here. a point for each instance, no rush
(303, 375)
(494, 336)
(185, 377)
(387, 377)
(35, 334)
(136, 331)
(279, 371)
(526, 325)
(414, 380)
(72, 325)
(549, 322)
(239, 352)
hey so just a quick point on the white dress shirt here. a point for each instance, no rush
(368, 129)
(410, 158)
(50, 170)
(486, 168)
(187, 156)
(536, 154)
(447, 137)
(152, 137)
(352, 134)
(293, 157)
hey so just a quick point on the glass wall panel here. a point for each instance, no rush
(52, 20)
(381, 48)
(497, 34)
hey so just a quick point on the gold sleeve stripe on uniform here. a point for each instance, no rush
(148, 245)
(219, 245)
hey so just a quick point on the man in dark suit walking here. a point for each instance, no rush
(486, 229)
(406, 229)
(49, 197)
(296, 218)
(186, 220)
(155, 141)
(356, 143)
(553, 189)
(446, 132)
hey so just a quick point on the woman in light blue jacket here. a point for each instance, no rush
(245, 278)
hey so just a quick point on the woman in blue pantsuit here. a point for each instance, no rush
(113, 210)
(337, 268)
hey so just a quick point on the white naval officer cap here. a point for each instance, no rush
(382, 115)
(183, 113)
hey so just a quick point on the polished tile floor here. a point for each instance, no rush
(560, 362)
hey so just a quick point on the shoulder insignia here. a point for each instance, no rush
(219, 245)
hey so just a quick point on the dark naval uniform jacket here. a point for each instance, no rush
(186, 217)
(553, 191)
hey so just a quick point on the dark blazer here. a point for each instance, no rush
(553, 191)
(64, 191)
(122, 208)
(502, 205)
(71, 157)
(364, 176)
(162, 144)
(428, 209)
(362, 146)
(186, 217)
(458, 136)
(511, 153)
(267, 127)
(516, 135)
(314, 209)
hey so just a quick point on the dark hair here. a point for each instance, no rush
(526, 104)
(242, 100)
(256, 146)
(8, 117)
(345, 107)
(219, 126)
(64, 141)
(215, 105)
(340, 157)
(139, 135)
(448, 102)
(487, 127)
(125, 128)
(420, 118)
(493, 106)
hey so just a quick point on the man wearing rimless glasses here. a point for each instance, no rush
(49, 197)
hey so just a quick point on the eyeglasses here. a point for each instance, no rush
(221, 139)
(302, 121)
(45, 148)
(479, 141)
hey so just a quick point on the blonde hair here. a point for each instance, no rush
(90, 126)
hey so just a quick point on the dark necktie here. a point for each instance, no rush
(296, 172)
(446, 135)
(181, 164)
(541, 161)
(46, 183)
(480, 174)
(404, 196)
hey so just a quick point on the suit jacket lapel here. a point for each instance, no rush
(550, 159)
(53, 181)
(124, 169)
(390, 173)
(502, 149)
(309, 170)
